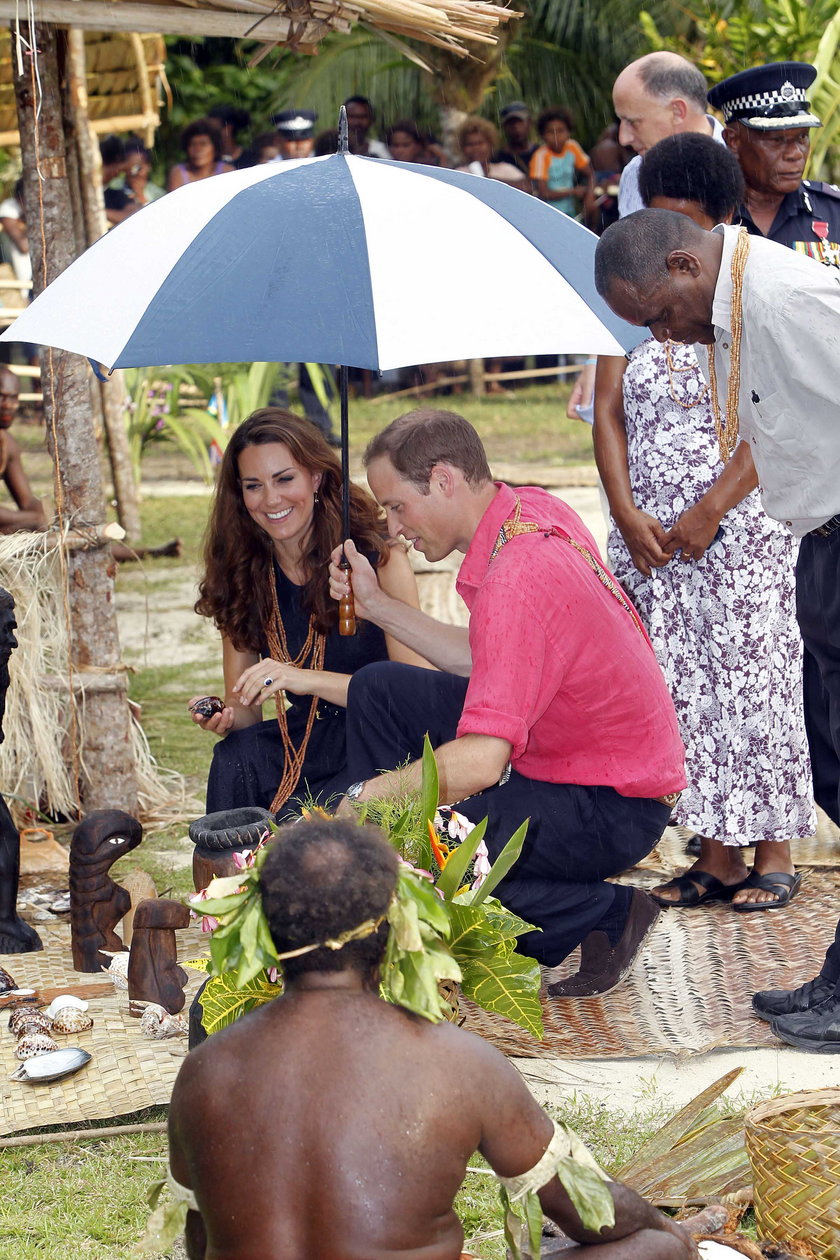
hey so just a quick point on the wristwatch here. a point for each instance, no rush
(355, 790)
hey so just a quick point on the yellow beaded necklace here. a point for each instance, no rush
(727, 431)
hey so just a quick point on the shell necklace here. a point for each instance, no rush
(727, 431)
(310, 656)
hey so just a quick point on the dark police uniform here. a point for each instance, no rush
(808, 220)
(773, 98)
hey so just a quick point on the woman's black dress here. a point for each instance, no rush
(248, 764)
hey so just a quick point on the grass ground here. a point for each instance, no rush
(88, 1199)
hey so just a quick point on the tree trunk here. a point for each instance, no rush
(106, 776)
(93, 206)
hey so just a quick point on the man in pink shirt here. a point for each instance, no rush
(550, 706)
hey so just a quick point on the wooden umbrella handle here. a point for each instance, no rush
(346, 607)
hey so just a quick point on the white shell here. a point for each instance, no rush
(157, 1024)
(49, 1067)
(69, 1019)
(65, 999)
(118, 968)
(32, 1044)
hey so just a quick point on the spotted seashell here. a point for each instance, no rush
(117, 968)
(157, 1024)
(7, 982)
(69, 1019)
(27, 1019)
(65, 999)
(33, 1044)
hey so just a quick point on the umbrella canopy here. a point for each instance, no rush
(339, 259)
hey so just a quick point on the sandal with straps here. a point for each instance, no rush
(690, 895)
(783, 886)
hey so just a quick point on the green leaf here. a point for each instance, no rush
(492, 974)
(430, 787)
(589, 1193)
(224, 999)
(452, 875)
(504, 921)
(503, 863)
(534, 1220)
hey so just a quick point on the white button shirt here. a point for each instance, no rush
(789, 406)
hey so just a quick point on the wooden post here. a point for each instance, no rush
(475, 367)
(107, 777)
(112, 392)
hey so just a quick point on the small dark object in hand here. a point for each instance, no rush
(207, 706)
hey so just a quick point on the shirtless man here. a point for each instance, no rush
(330, 1125)
(29, 512)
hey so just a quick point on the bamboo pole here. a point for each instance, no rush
(79, 1135)
(112, 394)
(102, 728)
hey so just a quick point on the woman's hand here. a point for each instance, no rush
(645, 539)
(692, 532)
(218, 724)
(266, 678)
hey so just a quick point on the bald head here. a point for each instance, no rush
(659, 95)
(658, 269)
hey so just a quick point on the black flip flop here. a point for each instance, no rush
(779, 882)
(690, 896)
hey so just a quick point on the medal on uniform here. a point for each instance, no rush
(820, 229)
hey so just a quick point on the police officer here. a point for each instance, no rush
(768, 128)
(296, 130)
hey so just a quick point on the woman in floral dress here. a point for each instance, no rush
(713, 580)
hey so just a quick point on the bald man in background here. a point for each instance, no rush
(656, 96)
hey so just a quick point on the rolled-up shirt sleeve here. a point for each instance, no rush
(517, 668)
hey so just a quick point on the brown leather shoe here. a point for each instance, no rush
(604, 966)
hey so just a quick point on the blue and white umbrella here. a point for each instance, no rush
(340, 259)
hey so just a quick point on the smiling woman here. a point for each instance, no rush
(275, 520)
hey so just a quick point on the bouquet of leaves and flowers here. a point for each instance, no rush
(444, 924)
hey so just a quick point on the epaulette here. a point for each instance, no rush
(829, 190)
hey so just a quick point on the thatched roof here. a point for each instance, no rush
(299, 24)
(124, 78)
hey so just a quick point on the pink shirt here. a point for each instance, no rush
(560, 669)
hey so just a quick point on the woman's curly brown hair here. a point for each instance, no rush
(236, 588)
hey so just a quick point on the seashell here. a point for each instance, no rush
(206, 706)
(28, 1019)
(117, 968)
(157, 1024)
(7, 983)
(51, 1066)
(34, 1043)
(65, 999)
(69, 1019)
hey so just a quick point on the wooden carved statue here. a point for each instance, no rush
(16, 937)
(153, 971)
(96, 903)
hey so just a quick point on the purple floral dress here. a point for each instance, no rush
(724, 627)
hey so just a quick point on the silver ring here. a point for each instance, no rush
(268, 682)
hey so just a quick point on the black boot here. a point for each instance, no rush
(817, 1030)
(771, 1003)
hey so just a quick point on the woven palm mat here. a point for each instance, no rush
(127, 1071)
(689, 990)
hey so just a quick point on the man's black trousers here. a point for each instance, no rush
(577, 836)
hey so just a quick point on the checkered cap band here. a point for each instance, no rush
(787, 97)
